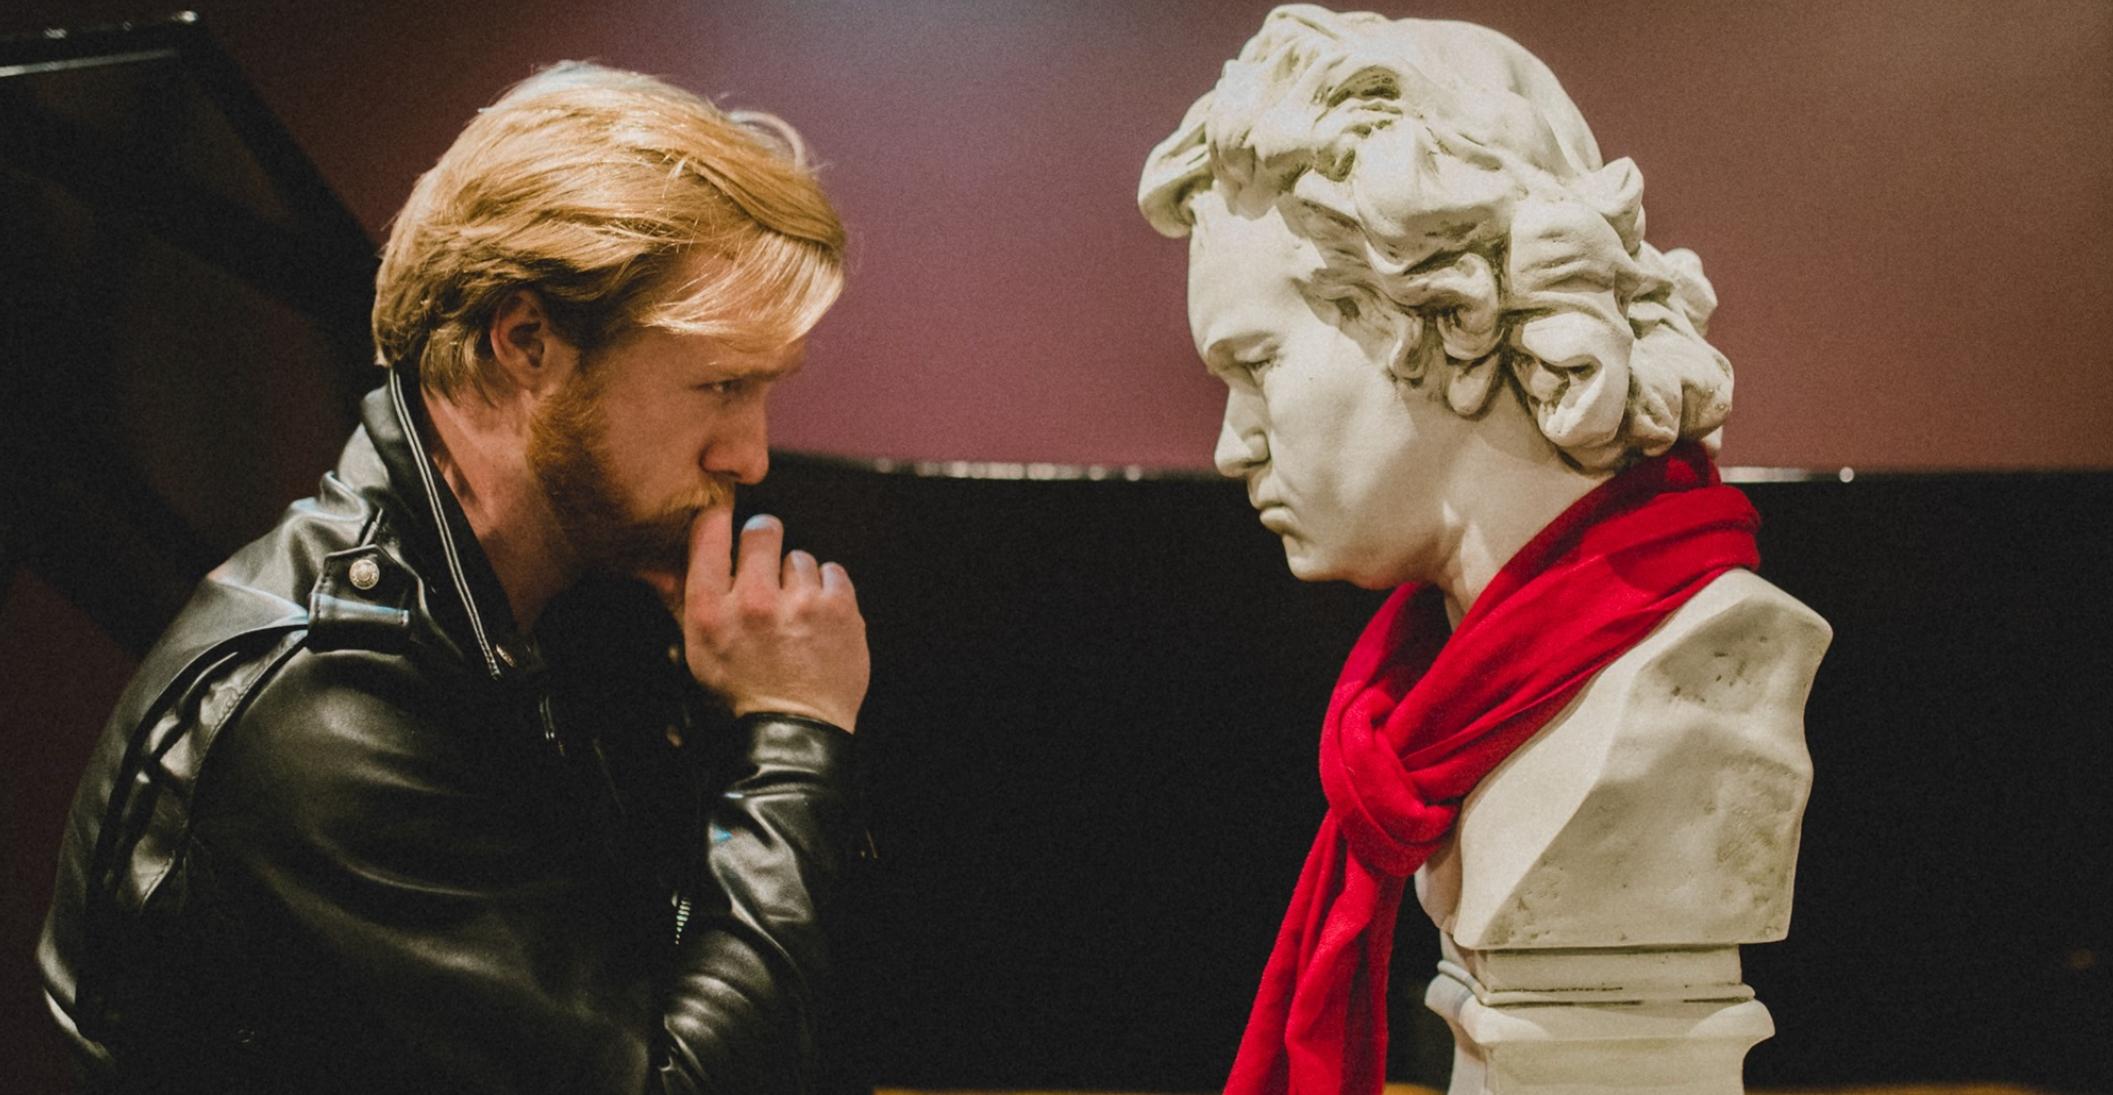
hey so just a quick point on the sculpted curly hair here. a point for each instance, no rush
(1464, 216)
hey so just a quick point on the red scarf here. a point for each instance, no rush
(1418, 719)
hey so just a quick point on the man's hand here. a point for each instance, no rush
(773, 635)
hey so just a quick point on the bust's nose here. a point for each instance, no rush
(1242, 444)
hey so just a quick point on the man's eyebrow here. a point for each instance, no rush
(785, 368)
(757, 367)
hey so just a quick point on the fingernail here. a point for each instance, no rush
(760, 520)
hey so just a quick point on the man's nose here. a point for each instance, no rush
(740, 450)
(1241, 444)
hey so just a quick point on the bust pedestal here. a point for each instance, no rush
(1600, 881)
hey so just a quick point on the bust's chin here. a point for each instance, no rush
(1311, 562)
(1310, 565)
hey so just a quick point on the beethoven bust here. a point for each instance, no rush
(1439, 325)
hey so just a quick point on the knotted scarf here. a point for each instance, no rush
(1417, 719)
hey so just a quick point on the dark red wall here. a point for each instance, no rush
(1907, 207)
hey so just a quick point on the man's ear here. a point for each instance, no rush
(527, 347)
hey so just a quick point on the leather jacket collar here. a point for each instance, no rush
(465, 589)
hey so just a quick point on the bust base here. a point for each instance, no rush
(1675, 1021)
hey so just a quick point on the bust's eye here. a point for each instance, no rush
(1247, 363)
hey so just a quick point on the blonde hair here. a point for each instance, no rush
(623, 202)
(1463, 214)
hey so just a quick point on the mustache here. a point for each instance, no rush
(714, 492)
(663, 538)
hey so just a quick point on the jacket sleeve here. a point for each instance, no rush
(754, 944)
(429, 913)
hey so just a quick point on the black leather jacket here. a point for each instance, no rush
(349, 830)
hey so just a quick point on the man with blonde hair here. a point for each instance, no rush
(352, 826)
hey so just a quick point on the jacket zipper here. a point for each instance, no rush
(682, 914)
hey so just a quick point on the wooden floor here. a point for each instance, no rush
(1414, 1089)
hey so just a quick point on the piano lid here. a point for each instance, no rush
(186, 313)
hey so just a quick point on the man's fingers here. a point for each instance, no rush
(801, 571)
(711, 562)
(758, 567)
(785, 635)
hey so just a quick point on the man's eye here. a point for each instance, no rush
(720, 387)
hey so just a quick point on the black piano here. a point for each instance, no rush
(1089, 748)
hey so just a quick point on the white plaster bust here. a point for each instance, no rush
(1439, 325)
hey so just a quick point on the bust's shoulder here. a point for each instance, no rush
(1750, 597)
(1660, 807)
(1738, 643)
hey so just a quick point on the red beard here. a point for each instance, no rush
(564, 453)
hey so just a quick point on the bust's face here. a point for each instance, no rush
(1340, 461)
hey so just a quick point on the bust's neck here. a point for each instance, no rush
(1504, 486)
